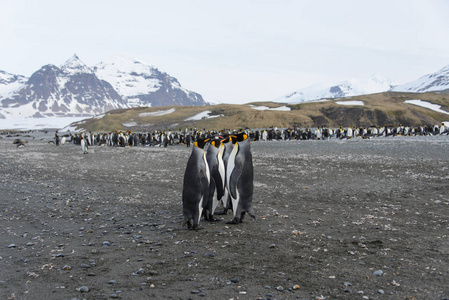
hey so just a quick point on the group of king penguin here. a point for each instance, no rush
(219, 173)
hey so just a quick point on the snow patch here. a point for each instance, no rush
(280, 108)
(259, 107)
(130, 124)
(203, 114)
(431, 106)
(354, 102)
(157, 113)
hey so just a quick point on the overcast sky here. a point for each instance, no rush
(233, 51)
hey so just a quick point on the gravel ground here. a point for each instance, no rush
(353, 219)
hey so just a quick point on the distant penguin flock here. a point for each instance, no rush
(219, 173)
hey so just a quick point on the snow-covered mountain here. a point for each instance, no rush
(10, 83)
(74, 89)
(438, 81)
(70, 90)
(141, 84)
(351, 87)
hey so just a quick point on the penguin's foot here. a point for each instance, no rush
(188, 223)
(196, 228)
(214, 220)
(234, 221)
(210, 217)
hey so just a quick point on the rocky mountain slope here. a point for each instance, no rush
(74, 89)
(143, 85)
(70, 90)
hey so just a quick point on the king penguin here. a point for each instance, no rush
(195, 192)
(217, 176)
(84, 146)
(226, 149)
(239, 178)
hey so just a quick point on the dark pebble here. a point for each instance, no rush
(234, 280)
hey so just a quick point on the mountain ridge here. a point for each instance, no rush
(433, 82)
(141, 84)
(338, 89)
(75, 89)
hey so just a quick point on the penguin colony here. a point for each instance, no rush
(169, 138)
(220, 175)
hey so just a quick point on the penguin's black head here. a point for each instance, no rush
(200, 143)
(239, 137)
(226, 139)
(218, 140)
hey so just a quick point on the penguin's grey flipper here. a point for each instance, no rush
(218, 183)
(234, 179)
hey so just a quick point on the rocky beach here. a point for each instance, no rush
(336, 219)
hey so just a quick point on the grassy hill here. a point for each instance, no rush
(379, 109)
